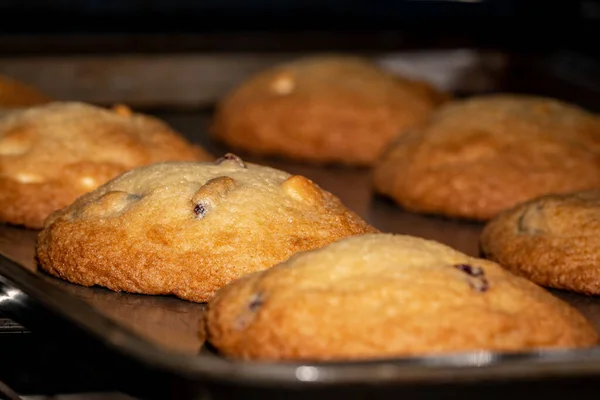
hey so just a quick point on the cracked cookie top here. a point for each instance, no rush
(188, 228)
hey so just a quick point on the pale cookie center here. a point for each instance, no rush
(283, 84)
(27, 177)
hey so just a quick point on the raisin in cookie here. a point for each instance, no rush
(479, 156)
(552, 240)
(324, 109)
(382, 295)
(187, 229)
(15, 94)
(52, 154)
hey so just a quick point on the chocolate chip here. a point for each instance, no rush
(477, 279)
(248, 314)
(256, 302)
(200, 210)
(469, 269)
(231, 157)
(481, 284)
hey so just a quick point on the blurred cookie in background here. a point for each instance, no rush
(323, 109)
(479, 156)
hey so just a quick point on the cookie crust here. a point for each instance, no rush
(187, 229)
(552, 240)
(382, 295)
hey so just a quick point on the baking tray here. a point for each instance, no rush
(150, 344)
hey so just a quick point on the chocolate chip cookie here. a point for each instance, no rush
(187, 229)
(323, 109)
(54, 153)
(382, 295)
(553, 240)
(482, 155)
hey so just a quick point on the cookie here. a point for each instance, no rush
(187, 229)
(52, 154)
(479, 156)
(552, 240)
(15, 94)
(322, 109)
(382, 296)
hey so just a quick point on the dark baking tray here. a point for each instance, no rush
(150, 344)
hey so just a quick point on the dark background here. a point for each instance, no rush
(521, 24)
(553, 45)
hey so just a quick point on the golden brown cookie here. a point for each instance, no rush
(381, 295)
(323, 109)
(479, 156)
(52, 154)
(553, 240)
(15, 94)
(187, 229)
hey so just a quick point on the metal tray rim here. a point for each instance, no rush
(17, 283)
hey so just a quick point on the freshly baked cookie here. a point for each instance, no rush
(52, 154)
(14, 94)
(323, 109)
(553, 240)
(479, 156)
(382, 295)
(187, 229)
